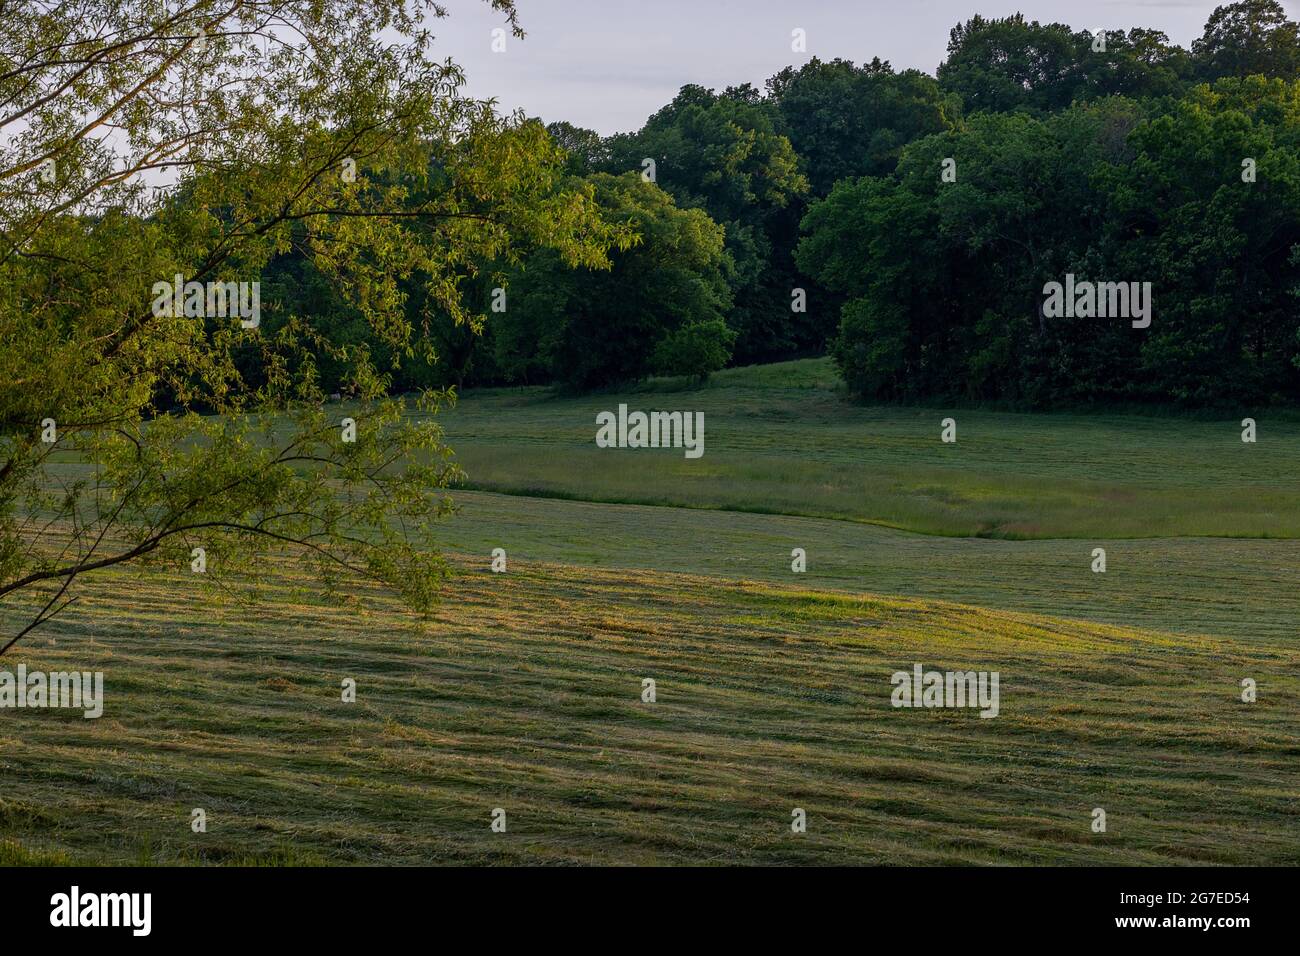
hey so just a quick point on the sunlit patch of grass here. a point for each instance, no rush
(1224, 586)
(13, 853)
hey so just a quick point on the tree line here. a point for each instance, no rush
(908, 223)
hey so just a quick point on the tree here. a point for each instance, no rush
(722, 153)
(1138, 64)
(1011, 63)
(1220, 250)
(306, 127)
(593, 327)
(846, 121)
(586, 149)
(1252, 37)
(696, 350)
(944, 279)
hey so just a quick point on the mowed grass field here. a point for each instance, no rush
(523, 691)
(1246, 588)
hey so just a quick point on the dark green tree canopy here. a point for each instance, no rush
(1248, 38)
(848, 121)
(590, 328)
(1011, 63)
(945, 279)
(723, 154)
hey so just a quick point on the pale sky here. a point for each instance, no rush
(608, 64)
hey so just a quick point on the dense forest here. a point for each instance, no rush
(908, 224)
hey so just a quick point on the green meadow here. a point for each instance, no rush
(523, 690)
(1245, 588)
(782, 439)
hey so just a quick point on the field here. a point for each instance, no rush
(780, 439)
(523, 691)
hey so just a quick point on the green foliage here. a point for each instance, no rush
(723, 153)
(590, 328)
(1011, 64)
(753, 162)
(695, 350)
(585, 149)
(946, 279)
(1006, 64)
(847, 121)
(1248, 38)
(1221, 251)
(346, 174)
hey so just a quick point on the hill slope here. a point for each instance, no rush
(525, 694)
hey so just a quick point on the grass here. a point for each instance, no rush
(524, 693)
(1245, 588)
(783, 440)
(1118, 690)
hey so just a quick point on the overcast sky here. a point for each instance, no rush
(608, 64)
